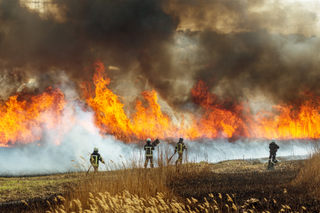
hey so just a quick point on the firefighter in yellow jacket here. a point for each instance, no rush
(149, 153)
(180, 147)
(95, 158)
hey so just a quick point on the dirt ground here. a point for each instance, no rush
(249, 183)
(24, 188)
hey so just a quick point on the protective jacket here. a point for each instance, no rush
(149, 149)
(95, 158)
(180, 147)
(273, 147)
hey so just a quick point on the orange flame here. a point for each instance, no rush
(288, 122)
(111, 118)
(109, 113)
(23, 121)
(150, 121)
(219, 119)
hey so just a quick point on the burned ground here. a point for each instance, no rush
(270, 190)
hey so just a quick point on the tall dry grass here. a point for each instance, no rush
(309, 173)
(128, 203)
(125, 202)
(130, 176)
(130, 188)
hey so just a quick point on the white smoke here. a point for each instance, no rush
(219, 150)
(45, 156)
(84, 136)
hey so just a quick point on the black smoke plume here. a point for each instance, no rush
(236, 47)
(119, 33)
(249, 48)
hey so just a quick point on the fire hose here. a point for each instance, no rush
(89, 169)
(170, 158)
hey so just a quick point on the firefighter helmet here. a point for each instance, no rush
(148, 140)
(96, 149)
(273, 140)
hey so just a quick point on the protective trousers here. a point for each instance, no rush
(272, 156)
(96, 168)
(148, 158)
(179, 158)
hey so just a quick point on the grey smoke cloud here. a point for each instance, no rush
(118, 32)
(235, 46)
(248, 48)
(281, 67)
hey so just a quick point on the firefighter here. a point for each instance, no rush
(149, 153)
(180, 147)
(273, 151)
(95, 158)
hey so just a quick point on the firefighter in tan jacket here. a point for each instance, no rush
(95, 158)
(180, 147)
(149, 153)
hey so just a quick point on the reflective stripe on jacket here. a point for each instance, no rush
(95, 158)
(180, 147)
(148, 149)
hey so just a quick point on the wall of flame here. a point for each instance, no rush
(24, 119)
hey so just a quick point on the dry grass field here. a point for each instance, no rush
(229, 186)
